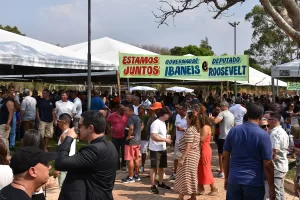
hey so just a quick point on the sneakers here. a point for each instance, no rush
(172, 177)
(142, 169)
(128, 180)
(136, 177)
(154, 190)
(163, 185)
(213, 192)
(220, 175)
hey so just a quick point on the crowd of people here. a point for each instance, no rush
(253, 135)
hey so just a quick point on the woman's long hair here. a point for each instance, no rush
(3, 153)
(34, 139)
(204, 120)
(194, 121)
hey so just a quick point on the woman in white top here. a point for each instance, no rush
(6, 173)
(64, 125)
(34, 139)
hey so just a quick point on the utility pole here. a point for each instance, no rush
(89, 80)
(234, 25)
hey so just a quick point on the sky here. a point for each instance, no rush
(64, 22)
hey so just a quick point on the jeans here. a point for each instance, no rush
(279, 185)
(245, 192)
(12, 136)
(120, 143)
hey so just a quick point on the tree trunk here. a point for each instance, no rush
(279, 20)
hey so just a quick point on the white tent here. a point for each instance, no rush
(21, 50)
(291, 69)
(257, 78)
(108, 49)
(179, 89)
(143, 88)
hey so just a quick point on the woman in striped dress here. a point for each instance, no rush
(186, 182)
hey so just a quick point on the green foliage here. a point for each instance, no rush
(204, 49)
(11, 29)
(254, 64)
(270, 45)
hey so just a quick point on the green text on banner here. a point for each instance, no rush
(221, 68)
(293, 86)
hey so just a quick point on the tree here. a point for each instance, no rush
(11, 29)
(270, 45)
(205, 44)
(285, 13)
(191, 49)
(254, 64)
(155, 49)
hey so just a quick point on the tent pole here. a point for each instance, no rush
(227, 86)
(89, 57)
(273, 90)
(221, 90)
(235, 90)
(119, 87)
(128, 85)
(277, 92)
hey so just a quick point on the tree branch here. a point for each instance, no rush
(173, 10)
(278, 19)
(293, 11)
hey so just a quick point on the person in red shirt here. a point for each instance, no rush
(118, 121)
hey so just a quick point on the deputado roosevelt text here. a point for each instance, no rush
(227, 71)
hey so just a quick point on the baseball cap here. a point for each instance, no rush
(27, 157)
(194, 101)
(156, 105)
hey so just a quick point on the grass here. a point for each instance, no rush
(292, 171)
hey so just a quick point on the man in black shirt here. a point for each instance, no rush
(92, 170)
(45, 111)
(31, 170)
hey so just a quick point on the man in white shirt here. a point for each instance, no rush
(180, 127)
(63, 106)
(157, 146)
(28, 111)
(238, 111)
(136, 104)
(145, 101)
(78, 107)
(280, 145)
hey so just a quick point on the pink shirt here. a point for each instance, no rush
(118, 124)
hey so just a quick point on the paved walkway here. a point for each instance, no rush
(141, 190)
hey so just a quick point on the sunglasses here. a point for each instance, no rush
(60, 121)
(264, 126)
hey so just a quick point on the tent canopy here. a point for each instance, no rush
(24, 51)
(291, 69)
(258, 78)
(179, 89)
(108, 49)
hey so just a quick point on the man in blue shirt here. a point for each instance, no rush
(97, 103)
(247, 158)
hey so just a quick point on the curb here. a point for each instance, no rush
(289, 186)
